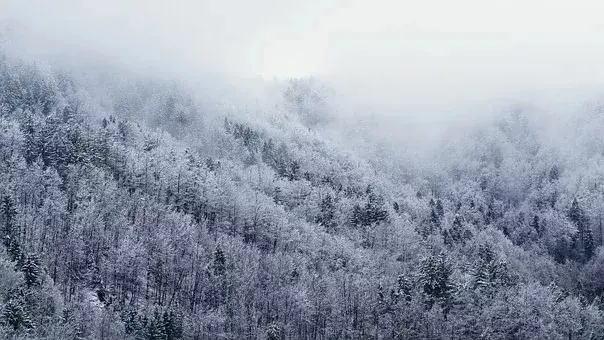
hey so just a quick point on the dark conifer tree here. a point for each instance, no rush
(219, 262)
(584, 241)
(9, 211)
(326, 215)
(435, 278)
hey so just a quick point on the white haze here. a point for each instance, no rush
(411, 65)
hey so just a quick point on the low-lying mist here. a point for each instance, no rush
(399, 74)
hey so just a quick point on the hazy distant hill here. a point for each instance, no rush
(133, 209)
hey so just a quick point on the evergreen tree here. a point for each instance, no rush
(281, 160)
(16, 316)
(371, 213)
(489, 272)
(576, 215)
(403, 289)
(131, 321)
(273, 332)
(436, 281)
(13, 249)
(446, 234)
(326, 216)
(490, 214)
(374, 209)
(358, 216)
(219, 262)
(588, 244)
(31, 270)
(584, 239)
(155, 327)
(172, 325)
(554, 173)
(9, 211)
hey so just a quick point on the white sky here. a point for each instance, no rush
(445, 51)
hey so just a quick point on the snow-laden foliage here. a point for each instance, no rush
(135, 212)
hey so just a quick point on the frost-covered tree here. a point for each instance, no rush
(309, 99)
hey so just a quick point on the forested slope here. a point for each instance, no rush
(143, 215)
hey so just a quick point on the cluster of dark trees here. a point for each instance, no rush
(112, 228)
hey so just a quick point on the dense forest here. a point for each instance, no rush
(129, 209)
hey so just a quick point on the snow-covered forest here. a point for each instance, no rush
(139, 207)
(130, 211)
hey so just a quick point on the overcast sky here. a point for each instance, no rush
(420, 53)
